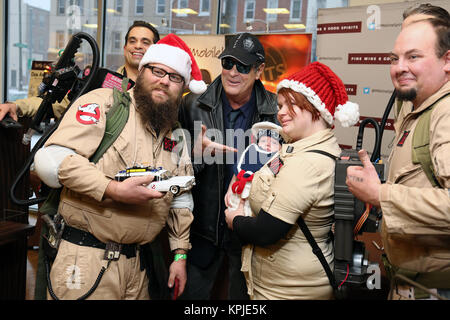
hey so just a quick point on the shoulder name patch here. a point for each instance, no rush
(275, 165)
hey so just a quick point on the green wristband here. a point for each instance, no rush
(179, 256)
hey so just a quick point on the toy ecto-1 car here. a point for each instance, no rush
(163, 180)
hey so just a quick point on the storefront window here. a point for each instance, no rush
(273, 16)
(187, 17)
(37, 31)
(168, 16)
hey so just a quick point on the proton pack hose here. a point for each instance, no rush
(64, 61)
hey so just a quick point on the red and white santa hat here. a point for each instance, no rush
(326, 92)
(174, 53)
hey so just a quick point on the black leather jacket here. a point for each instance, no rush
(209, 189)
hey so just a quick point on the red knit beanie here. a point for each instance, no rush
(325, 91)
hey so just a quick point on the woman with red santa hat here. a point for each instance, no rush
(277, 261)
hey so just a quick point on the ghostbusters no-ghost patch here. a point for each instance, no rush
(88, 113)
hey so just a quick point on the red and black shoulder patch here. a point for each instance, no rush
(169, 144)
(403, 138)
(275, 165)
(88, 113)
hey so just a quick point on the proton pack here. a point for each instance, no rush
(352, 217)
(61, 80)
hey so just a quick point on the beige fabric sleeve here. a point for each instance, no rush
(75, 171)
(29, 106)
(421, 210)
(180, 219)
(179, 223)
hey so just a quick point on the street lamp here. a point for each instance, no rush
(164, 23)
(249, 26)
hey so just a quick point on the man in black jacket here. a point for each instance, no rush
(234, 100)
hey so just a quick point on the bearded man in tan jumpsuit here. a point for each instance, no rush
(104, 211)
(416, 215)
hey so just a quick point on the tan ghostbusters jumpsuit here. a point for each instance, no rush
(82, 206)
(303, 186)
(28, 107)
(416, 216)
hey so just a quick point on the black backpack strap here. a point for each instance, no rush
(318, 252)
(324, 153)
(312, 242)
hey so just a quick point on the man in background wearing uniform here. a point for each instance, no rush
(415, 201)
(139, 37)
(107, 221)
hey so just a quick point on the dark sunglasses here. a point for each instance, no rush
(228, 63)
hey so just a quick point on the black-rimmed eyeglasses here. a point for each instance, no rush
(160, 73)
(228, 63)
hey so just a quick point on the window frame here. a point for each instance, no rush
(116, 42)
(247, 2)
(58, 41)
(59, 7)
(271, 17)
(291, 18)
(136, 8)
(158, 5)
(201, 11)
(116, 6)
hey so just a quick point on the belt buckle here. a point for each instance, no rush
(55, 229)
(112, 251)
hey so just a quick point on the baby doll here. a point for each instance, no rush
(268, 142)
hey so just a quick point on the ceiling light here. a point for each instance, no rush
(184, 11)
(295, 26)
(276, 10)
(90, 25)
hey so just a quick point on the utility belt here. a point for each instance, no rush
(82, 238)
(150, 256)
(421, 281)
(86, 239)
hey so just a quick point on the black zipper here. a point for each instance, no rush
(220, 180)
